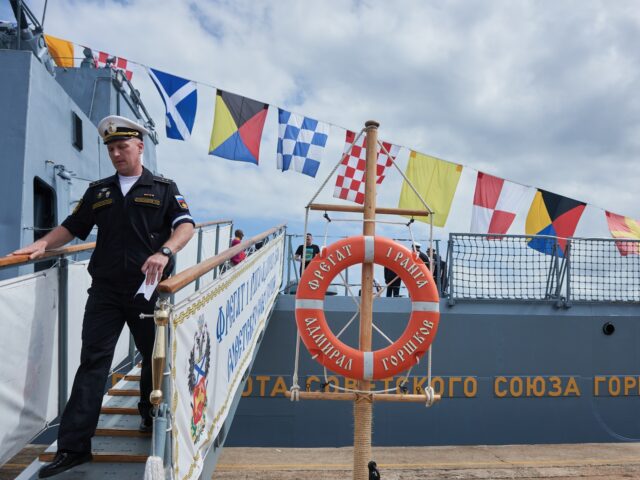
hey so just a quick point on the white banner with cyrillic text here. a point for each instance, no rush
(214, 336)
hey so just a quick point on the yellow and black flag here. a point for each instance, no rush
(554, 215)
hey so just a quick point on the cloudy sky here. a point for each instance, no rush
(544, 93)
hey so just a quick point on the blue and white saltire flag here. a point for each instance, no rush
(180, 99)
(301, 142)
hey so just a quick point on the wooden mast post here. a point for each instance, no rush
(362, 412)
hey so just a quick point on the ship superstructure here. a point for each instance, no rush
(50, 146)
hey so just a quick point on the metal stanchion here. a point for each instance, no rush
(63, 329)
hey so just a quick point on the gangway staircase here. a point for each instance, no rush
(119, 449)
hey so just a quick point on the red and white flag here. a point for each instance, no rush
(119, 63)
(495, 204)
(350, 181)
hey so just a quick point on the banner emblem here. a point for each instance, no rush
(199, 363)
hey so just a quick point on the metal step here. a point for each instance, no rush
(119, 426)
(128, 388)
(111, 449)
(119, 432)
(119, 450)
(103, 457)
(119, 416)
(124, 422)
(122, 392)
(120, 404)
(116, 377)
(119, 410)
(114, 445)
(127, 385)
(92, 471)
(120, 401)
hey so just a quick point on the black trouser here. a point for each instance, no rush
(393, 290)
(107, 310)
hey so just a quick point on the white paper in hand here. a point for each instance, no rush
(147, 290)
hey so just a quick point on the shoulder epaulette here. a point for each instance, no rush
(98, 182)
(162, 179)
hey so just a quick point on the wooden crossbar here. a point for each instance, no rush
(327, 207)
(376, 397)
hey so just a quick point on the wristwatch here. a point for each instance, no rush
(166, 251)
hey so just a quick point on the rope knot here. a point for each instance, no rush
(430, 393)
(364, 397)
(295, 393)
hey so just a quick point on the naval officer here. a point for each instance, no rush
(142, 222)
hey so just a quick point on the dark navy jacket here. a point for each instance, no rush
(130, 228)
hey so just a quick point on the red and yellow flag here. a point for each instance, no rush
(624, 227)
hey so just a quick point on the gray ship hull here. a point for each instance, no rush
(509, 373)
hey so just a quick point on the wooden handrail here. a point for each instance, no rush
(184, 278)
(58, 252)
(382, 210)
(214, 222)
(13, 260)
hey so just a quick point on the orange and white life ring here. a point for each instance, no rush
(327, 349)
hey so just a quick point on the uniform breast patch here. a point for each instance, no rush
(182, 202)
(147, 201)
(103, 193)
(102, 203)
(79, 204)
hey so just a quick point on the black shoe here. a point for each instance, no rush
(63, 461)
(146, 425)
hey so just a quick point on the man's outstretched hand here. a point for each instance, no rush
(35, 250)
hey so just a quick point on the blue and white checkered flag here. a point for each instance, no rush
(180, 98)
(300, 143)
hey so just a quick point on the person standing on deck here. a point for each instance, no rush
(393, 282)
(310, 251)
(142, 221)
(237, 258)
(439, 266)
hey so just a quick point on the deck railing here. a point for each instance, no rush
(506, 267)
(340, 287)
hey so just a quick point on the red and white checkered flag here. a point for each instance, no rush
(119, 63)
(350, 181)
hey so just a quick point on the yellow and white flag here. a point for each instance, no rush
(436, 180)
